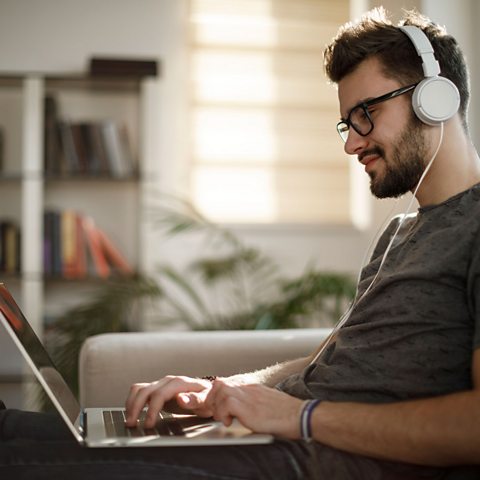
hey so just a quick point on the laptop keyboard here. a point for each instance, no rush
(167, 425)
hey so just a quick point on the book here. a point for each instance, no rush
(111, 252)
(69, 148)
(115, 140)
(69, 243)
(48, 242)
(90, 149)
(57, 267)
(94, 148)
(81, 249)
(102, 269)
(80, 147)
(51, 136)
(9, 247)
(74, 247)
(52, 243)
(98, 148)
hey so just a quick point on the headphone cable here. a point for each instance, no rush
(343, 319)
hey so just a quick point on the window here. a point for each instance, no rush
(264, 146)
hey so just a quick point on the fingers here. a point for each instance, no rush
(138, 398)
(195, 402)
(257, 407)
(155, 394)
(224, 402)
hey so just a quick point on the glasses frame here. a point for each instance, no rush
(343, 126)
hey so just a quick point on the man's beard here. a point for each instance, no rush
(403, 169)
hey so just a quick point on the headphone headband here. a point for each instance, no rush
(435, 99)
(424, 48)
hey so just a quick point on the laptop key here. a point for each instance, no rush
(108, 422)
(115, 425)
(166, 426)
(174, 426)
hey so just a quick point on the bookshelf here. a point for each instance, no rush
(27, 190)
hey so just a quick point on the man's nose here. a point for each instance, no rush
(355, 142)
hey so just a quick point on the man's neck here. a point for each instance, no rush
(455, 169)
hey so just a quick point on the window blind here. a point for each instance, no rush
(264, 146)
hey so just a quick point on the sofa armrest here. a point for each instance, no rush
(110, 363)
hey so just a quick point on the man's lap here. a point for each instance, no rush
(43, 441)
(40, 446)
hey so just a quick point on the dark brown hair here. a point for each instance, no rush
(375, 35)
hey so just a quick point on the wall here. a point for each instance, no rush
(60, 35)
(460, 18)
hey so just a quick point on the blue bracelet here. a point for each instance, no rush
(305, 418)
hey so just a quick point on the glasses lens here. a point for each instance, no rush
(360, 120)
(343, 128)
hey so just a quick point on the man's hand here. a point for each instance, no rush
(156, 394)
(259, 408)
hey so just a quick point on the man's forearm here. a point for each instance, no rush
(439, 431)
(274, 374)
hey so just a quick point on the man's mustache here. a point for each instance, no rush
(372, 151)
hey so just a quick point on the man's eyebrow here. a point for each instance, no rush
(358, 104)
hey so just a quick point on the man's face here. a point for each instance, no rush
(394, 151)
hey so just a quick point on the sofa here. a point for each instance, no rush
(110, 363)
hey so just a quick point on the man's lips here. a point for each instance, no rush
(368, 160)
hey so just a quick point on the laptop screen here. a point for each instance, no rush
(36, 355)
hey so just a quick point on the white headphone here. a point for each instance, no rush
(435, 99)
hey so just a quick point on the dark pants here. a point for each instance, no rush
(39, 446)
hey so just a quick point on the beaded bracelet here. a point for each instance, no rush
(305, 418)
(210, 378)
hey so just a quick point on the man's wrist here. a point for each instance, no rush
(306, 418)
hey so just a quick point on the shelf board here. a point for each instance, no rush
(88, 279)
(13, 80)
(85, 82)
(17, 179)
(76, 81)
(90, 178)
(9, 277)
(11, 177)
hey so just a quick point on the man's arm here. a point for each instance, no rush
(180, 394)
(167, 392)
(274, 374)
(438, 431)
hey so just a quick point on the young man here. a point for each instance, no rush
(397, 392)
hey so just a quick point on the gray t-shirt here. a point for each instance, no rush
(414, 332)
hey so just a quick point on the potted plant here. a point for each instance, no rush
(255, 294)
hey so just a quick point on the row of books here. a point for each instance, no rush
(90, 148)
(9, 247)
(75, 248)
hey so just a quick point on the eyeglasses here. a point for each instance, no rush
(359, 117)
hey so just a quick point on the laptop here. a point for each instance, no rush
(105, 427)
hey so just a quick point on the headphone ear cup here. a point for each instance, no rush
(435, 100)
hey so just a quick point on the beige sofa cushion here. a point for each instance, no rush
(110, 363)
